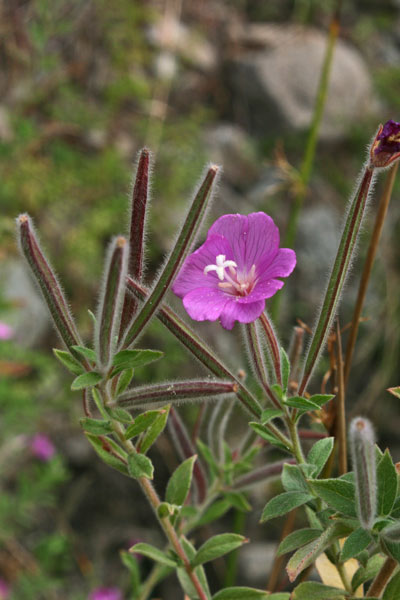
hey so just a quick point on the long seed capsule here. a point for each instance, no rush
(111, 298)
(362, 446)
(48, 282)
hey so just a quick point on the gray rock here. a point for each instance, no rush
(274, 78)
(230, 146)
(30, 318)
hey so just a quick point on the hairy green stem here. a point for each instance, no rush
(154, 501)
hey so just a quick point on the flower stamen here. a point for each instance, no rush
(220, 266)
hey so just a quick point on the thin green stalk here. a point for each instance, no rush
(257, 360)
(296, 444)
(154, 501)
(239, 523)
(309, 154)
(338, 276)
(340, 425)
(369, 261)
(273, 345)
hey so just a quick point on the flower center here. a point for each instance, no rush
(234, 283)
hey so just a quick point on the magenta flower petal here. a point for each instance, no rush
(230, 276)
(250, 237)
(4, 589)
(244, 313)
(192, 273)
(281, 265)
(204, 304)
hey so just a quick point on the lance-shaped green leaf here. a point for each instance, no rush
(140, 465)
(154, 430)
(136, 234)
(338, 276)
(312, 590)
(179, 483)
(185, 449)
(319, 454)
(368, 572)
(86, 380)
(141, 423)
(96, 426)
(306, 555)
(153, 553)
(182, 245)
(48, 282)
(109, 452)
(362, 447)
(174, 392)
(86, 353)
(131, 359)
(298, 538)
(218, 546)
(387, 484)
(246, 593)
(337, 493)
(69, 361)
(392, 532)
(293, 479)
(284, 503)
(357, 541)
(198, 348)
(111, 299)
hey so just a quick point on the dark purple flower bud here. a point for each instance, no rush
(386, 146)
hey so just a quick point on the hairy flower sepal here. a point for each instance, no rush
(230, 276)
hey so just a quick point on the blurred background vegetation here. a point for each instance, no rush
(84, 84)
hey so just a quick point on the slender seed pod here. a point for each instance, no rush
(182, 245)
(136, 234)
(362, 447)
(111, 298)
(154, 396)
(48, 283)
(261, 474)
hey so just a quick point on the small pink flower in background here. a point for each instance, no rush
(230, 276)
(103, 593)
(6, 332)
(4, 589)
(42, 447)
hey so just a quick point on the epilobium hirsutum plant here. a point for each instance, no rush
(353, 532)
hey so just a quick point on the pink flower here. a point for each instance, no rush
(230, 276)
(42, 447)
(106, 594)
(4, 589)
(6, 332)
